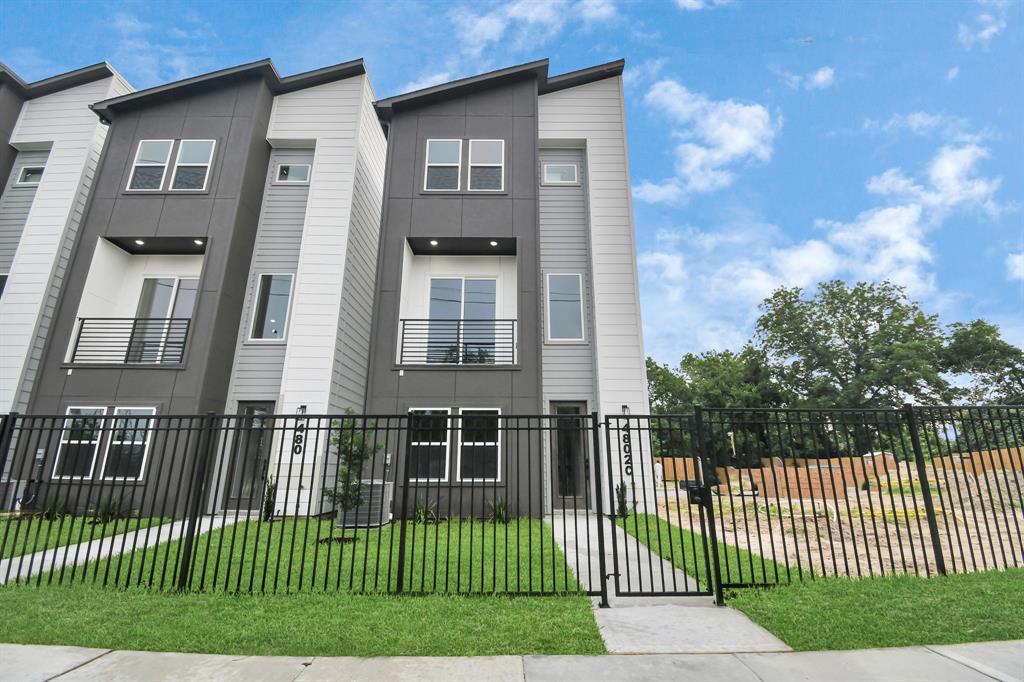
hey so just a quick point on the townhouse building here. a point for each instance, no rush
(506, 282)
(225, 264)
(50, 145)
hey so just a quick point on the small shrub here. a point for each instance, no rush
(499, 511)
(622, 500)
(426, 512)
(269, 496)
(107, 511)
(54, 510)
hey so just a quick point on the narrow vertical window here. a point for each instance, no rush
(428, 451)
(129, 443)
(192, 167)
(565, 307)
(486, 165)
(270, 312)
(79, 442)
(444, 166)
(30, 175)
(479, 445)
(3, 284)
(151, 159)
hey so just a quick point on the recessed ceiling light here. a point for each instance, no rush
(494, 243)
(433, 242)
(140, 242)
(198, 242)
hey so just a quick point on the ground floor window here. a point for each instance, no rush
(129, 442)
(428, 451)
(479, 445)
(79, 442)
(87, 429)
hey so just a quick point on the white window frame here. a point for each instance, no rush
(462, 305)
(576, 174)
(462, 429)
(110, 443)
(208, 165)
(277, 174)
(469, 161)
(256, 300)
(61, 443)
(427, 165)
(21, 171)
(136, 164)
(447, 443)
(547, 305)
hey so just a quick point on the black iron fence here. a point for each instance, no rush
(483, 502)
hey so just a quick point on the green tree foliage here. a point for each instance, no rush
(995, 367)
(713, 379)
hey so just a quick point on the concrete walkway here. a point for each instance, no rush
(964, 662)
(26, 566)
(652, 625)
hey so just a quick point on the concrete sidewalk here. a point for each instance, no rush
(966, 662)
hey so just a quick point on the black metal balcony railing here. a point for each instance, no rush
(121, 340)
(458, 342)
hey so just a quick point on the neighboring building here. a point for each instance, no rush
(50, 145)
(506, 279)
(225, 264)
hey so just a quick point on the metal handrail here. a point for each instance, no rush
(131, 340)
(458, 342)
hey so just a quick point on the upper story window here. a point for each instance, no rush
(292, 173)
(30, 175)
(444, 166)
(192, 167)
(565, 307)
(150, 167)
(561, 174)
(3, 283)
(486, 165)
(270, 310)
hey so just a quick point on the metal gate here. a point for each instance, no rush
(660, 501)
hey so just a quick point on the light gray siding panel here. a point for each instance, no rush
(14, 207)
(352, 351)
(568, 369)
(258, 366)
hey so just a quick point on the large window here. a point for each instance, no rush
(79, 442)
(150, 167)
(192, 167)
(565, 307)
(270, 310)
(129, 443)
(428, 451)
(486, 165)
(30, 175)
(444, 166)
(161, 319)
(479, 445)
(462, 314)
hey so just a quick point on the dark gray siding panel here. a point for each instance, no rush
(14, 207)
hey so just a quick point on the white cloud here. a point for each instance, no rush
(953, 73)
(987, 24)
(523, 20)
(819, 79)
(695, 5)
(952, 129)
(644, 72)
(148, 54)
(427, 81)
(1015, 266)
(714, 137)
(595, 11)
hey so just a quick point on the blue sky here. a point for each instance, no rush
(771, 142)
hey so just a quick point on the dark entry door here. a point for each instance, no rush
(569, 457)
(253, 436)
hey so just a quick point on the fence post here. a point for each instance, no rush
(403, 517)
(195, 500)
(711, 544)
(922, 475)
(595, 422)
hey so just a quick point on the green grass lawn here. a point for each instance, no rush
(299, 624)
(294, 555)
(685, 550)
(28, 534)
(842, 613)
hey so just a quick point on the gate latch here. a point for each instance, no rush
(695, 492)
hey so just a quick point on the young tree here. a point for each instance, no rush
(713, 379)
(995, 366)
(861, 346)
(349, 438)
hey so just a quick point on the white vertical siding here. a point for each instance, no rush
(594, 114)
(63, 123)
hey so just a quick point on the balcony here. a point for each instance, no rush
(130, 341)
(457, 342)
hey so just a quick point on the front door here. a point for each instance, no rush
(568, 456)
(253, 436)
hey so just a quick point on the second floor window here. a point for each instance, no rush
(192, 168)
(270, 312)
(151, 159)
(444, 165)
(486, 165)
(565, 307)
(462, 314)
